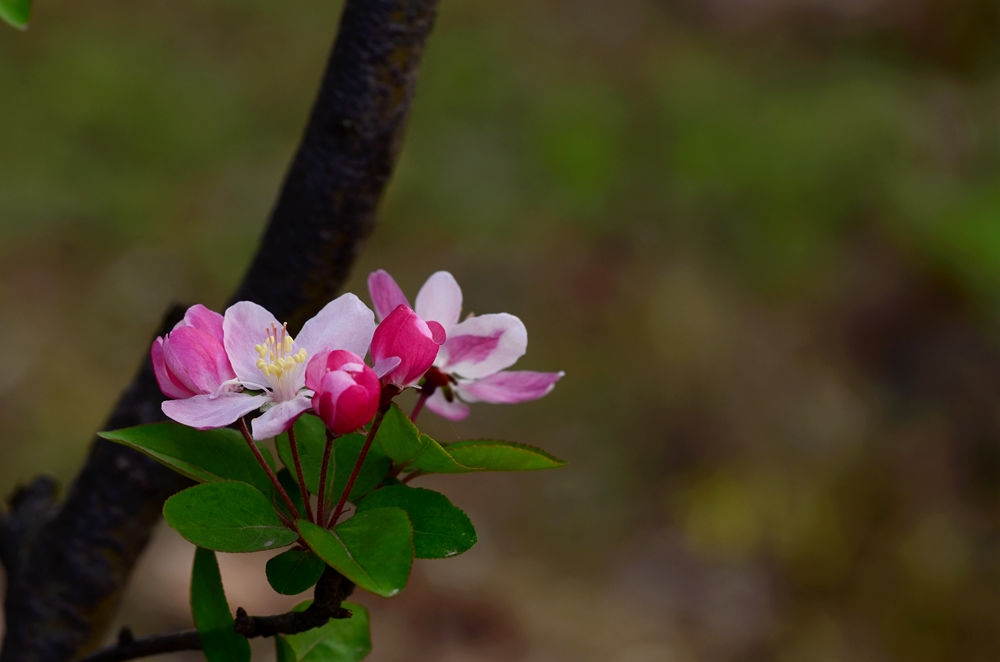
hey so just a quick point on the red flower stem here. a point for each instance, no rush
(357, 465)
(267, 468)
(424, 394)
(426, 391)
(324, 466)
(299, 474)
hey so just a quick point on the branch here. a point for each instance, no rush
(129, 648)
(68, 574)
(331, 590)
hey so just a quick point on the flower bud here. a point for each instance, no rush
(346, 391)
(191, 359)
(404, 346)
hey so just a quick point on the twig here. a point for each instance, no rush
(331, 590)
(129, 648)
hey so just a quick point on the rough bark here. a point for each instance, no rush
(67, 562)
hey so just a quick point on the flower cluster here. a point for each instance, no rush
(217, 369)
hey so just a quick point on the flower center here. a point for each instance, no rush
(276, 357)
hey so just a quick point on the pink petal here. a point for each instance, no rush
(344, 323)
(440, 300)
(385, 365)
(454, 410)
(510, 386)
(279, 418)
(205, 319)
(244, 327)
(170, 385)
(483, 345)
(204, 411)
(385, 294)
(404, 335)
(438, 334)
(196, 359)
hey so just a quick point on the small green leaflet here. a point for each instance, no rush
(212, 616)
(440, 529)
(16, 12)
(374, 549)
(227, 516)
(294, 571)
(204, 455)
(340, 640)
(401, 441)
(494, 455)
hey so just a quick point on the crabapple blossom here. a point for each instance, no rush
(345, 390)
(269, 365)
(191, 359)
(472, 361)
(404, 346)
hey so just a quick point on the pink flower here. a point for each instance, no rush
(404, 346)
(269, 365)
(473, 358)
(345, 390)
(191, 358)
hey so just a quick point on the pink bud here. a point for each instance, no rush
(346, 391)
(404, 346)
(191, 359)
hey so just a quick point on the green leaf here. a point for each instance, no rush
(440, 529)
(340, 640)
(373, 549)
(294, 571)
(227, 516)
(494, 455)
(16, 12)
(310, 437)
(398, 436)
(373, 471)
(204, 455)
(402, 442)
(212, 616)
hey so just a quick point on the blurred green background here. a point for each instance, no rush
(762, 239)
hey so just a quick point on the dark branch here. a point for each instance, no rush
(129, 648)
(331, 590)
(71, 569)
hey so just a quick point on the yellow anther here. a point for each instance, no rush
(289, 344)
(261, 349)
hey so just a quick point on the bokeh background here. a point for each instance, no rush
(762, 238)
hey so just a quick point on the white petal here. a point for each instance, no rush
(440, 300)
(510, 386)
(205, 411)
(483, 345)
(279, 418)
(385, 293)
(454, 410)
(344, 323)
(245, 326)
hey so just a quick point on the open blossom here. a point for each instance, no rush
(404, 346)
(269, 365)
(473, 359)
(345, 390)
(191, 358)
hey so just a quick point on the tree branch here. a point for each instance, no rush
(65, 578)
(331, 590)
